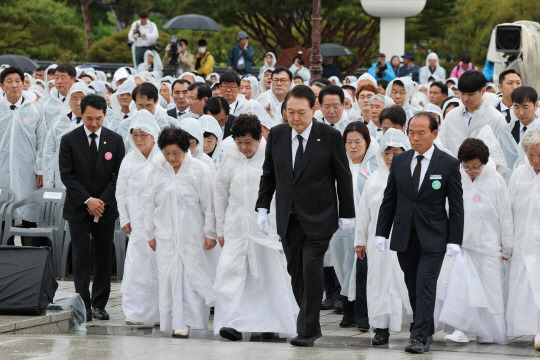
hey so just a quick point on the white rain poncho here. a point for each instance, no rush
(51, 106)
(209, 77)
(366, 76)
(193, 127)
(119, 74)
(340, 125)
(432, 108)
(523, 307)
(267, 66)
(45, 76)
(496, 153)
(209, 124)
(255, 92)
(22, 134)
(352, 80)
(474, 301)
(115, 116)
(98, 87)
(303, 72)
(409, 88)
(341, 248)
(268, 98)
(453, 130)
(425, 71)
(38, 90)
(252, 271)
(60, 126)
(420, 100)
(513, 152)
(253, 107)
(335, 79)
(140, 286)
(387, 296)
(455, 101)
(179, 215)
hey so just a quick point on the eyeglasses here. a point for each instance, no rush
(473, 170)
(281, 81)
(329, 107)
(229, 87)
(140, 136)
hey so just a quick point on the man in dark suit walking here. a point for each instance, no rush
(89, 160)
(413, 208)
(305, 162)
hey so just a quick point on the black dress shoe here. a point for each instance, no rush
(101, 314)
(338, 306)
(304, 340)
(230, 334)
(267, 335)
(363, 328)
(89, 315)
(346, 323)
(381, 337)
(415, 346)
(327, 304)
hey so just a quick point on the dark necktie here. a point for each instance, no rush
(331, 124)
(93, 148)
(78, 120)
(516, 132)
(416, 173)
(12, 107)
(299, 154)
(126, 116)
(180, 113)
(524, 130)
(508, 117)
(64, 99)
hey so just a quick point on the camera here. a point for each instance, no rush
(382, 68)
(173, 49)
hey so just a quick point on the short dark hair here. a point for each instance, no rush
(304, 92)
(202, 42)
(147, 89)
(180, 81)
(51, 71)
(68, 69)
(466, 58)
(245, 124)
(348, 87)
(433, 124)
(332, 90)
(383, 82)
(321, 80)
(203, 90)
(183, 41)
(172, 135)
(473, 148)
(229, 77)
(395, 114)
(207, 134)
(282, 69)
(298, 77)
(524, 94)
(11, 70)
(215, 104)
(361, 128)
(95, 101)
(506, 72)
(471, 81)
(86, 75)
(144, 14)
(40, 68)
(440, 85)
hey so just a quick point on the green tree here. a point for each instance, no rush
(41, 29)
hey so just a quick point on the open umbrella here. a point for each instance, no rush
(330, 50)
(22, 62)
(192, 22)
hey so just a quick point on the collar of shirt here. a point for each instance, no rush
(61, 97)
(504, 107)
(530, 126)
(427, 155)
(18, 103)
(179, 113)
(73, 117)
(233, 106)
(304, 134)
(88, 132)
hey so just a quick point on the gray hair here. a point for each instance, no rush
(531, 139)
(383, 99)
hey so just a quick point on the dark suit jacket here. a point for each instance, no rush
(324, 165)
(172, 112)
(82, 181)
(228, 125)
(434, 227)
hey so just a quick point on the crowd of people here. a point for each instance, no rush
(190, 165)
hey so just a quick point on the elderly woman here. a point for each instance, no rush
(351, 271)
(386, 294)
(140, 285)
(252, 284)
(180, 225)
(376, 105)
(249, 87)
(196, 140)
(474, 301)
(212, 135)
(523, 308)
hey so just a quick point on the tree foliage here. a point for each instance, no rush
(41, 29)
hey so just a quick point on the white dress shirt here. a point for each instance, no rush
(505, 109)
(522, 130)
(466, 118)
(232, 107)
(425, 163)
(61, 97)
(18, 104)
(295, 143)
(180, 113)
(88, 132)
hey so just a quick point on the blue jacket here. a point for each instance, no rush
(488, 70)
(235, 54)
(414, 72)
(389, 75)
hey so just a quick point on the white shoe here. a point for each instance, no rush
(132, 322)
(537, 342)
(457, 336)
(481, 340)
(181, 332)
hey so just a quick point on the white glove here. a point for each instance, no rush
(262, 221)
(346, 224)
(380, 243)
(452, 249)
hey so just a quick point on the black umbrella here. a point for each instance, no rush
(330, 50)
(192, 22)
(22, 62)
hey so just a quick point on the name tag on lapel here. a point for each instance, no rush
(435, 177)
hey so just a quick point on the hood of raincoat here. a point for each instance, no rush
(432, 56)
(120, 74)
(394, 138)
(451, 101)
(126, 87)
(78, 86)
(193, 128)
(255, 92)
(409, 88)
(209, 124)
(366, 76)
(336, 79)
(434, 109)
(145, 121)
(45, 77)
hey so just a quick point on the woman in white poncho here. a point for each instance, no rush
(432, 68)
(523, 308)
(194, 129)
(252, 284)
(351, 271)
(387, 299)
(140, 300)
(152, 62)
(212, 138)
(474, 301)
(180, 225)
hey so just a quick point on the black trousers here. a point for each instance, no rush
(421, 271)
(103, 236)
(331, 284)
(139, 54)
(357, 311)
(305, 260)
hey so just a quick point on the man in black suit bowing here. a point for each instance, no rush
(305, 162)
(413, 208)
(89, 160)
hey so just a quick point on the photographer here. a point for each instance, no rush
(142, 36)
(298, 69)
(178, 55)
(382, 69)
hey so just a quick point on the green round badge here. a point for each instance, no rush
(436, 185)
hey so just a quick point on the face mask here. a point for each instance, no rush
(202, 49)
